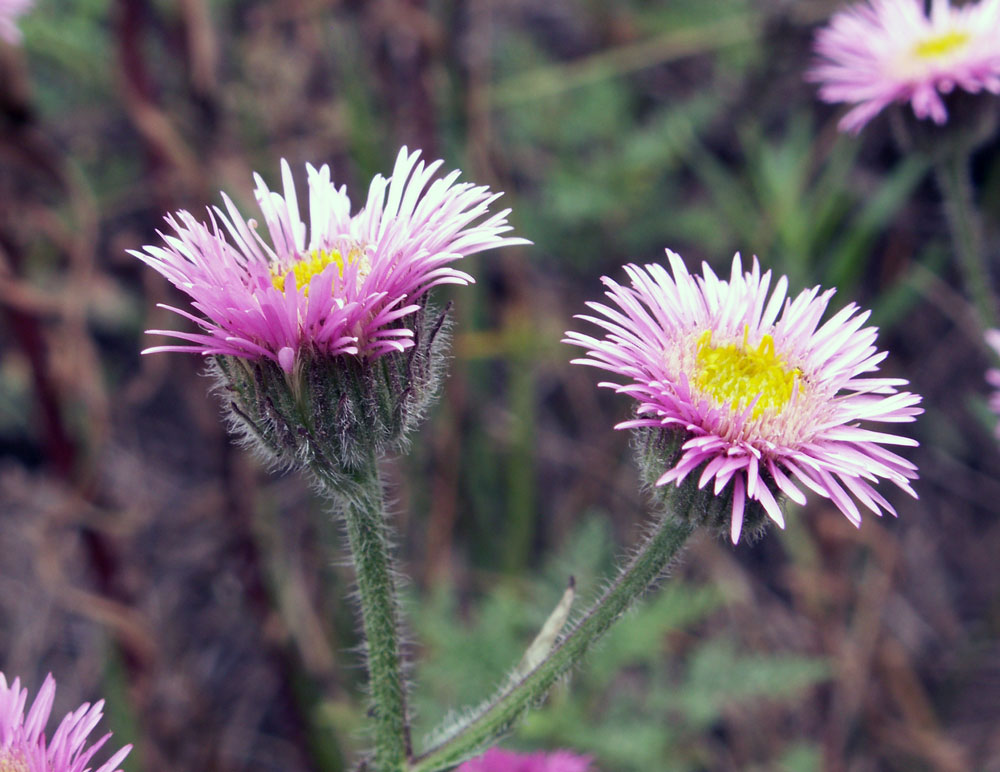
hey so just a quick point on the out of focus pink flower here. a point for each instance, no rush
(993, 375)
(10, 10)
(23, 744)
(346, 285)
(759, 391)
(496, 760)
(884, 51)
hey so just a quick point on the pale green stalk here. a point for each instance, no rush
(497, 717)
(359, 494)
(952, 172)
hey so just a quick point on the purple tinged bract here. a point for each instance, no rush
(23, 744)
(879, 52)
(765, 398)
(343, 286)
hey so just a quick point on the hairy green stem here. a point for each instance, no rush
(498, 716)
(952, 172)
(359, 494)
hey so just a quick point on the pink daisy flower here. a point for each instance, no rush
(764, 396)
(10, 10)
(885, 51)
(993, 374)
(345, 285)
(496, 760)
(23, 746)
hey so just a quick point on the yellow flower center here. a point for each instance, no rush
(736, 374)
(314, 263)
(942, 45)
(11, 761)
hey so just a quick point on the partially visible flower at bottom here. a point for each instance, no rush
(496, 760)
(9, 11)
(23, 745)
(993, 374)
(745, 390)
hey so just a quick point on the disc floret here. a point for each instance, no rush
(739, 375)
(941, 45)
(302, 269)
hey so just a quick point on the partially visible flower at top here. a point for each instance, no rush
(10, 10)
(884, 51)
(993, 375)
(23, 745)
(343, 286)
(751, 390)
(496, 760)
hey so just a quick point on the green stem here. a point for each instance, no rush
(360, 496)
(952, 172)
(497, 717)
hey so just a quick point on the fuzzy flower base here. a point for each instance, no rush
(886, 51)
(744, 387)
(23, 745)
(334, 411)
(496, 760)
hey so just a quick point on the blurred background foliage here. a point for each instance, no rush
(148, 561)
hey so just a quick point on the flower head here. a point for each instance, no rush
(344, 286)
(758, 393)
(322, 338)
(993, 374)
(23, 745)
(10, 10)
(884, 51)
(496, 760)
